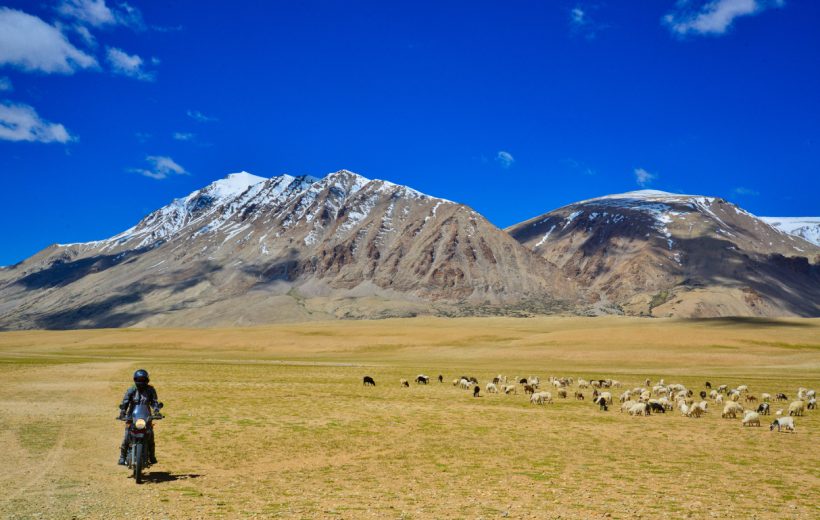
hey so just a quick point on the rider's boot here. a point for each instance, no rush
(123, 452)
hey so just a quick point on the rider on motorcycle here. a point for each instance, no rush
(140, 393)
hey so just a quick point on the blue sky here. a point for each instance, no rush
(109, 110)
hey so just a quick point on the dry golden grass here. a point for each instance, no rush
(274, 422)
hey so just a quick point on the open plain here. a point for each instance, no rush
(274, 422)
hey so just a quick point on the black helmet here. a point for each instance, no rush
(141, 376)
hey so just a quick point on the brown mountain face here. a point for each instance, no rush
(660, 254)
(247, 250)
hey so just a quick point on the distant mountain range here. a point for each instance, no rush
(249, 250)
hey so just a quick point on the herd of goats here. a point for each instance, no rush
(658, 398)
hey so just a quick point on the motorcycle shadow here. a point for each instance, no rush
(157, 477)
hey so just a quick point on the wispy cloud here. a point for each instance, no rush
(713, 17)
(143, 137)
(505, 159)
(581, 22)
(30, 44)
(184, 136)
(162, 167)
(97, 14)
(745, 192)
(5, 84)
(579, 167)
(196, 115)
(19, 122)
(643, 177)
(128, 65)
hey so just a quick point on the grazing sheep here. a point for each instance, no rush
(719, 399)
(368, 381)
(541, 398)
(625, 396)
(579, 396)
(510, 389)
(562, 393)
(645, 395)
(464, 383)
(765, 397)
(742, 388)
(694, 411)
(713, 394)
(751, 419)
(455, 382)
(723, 389)
(731, 410)
(405, 383)
(529, 389)
(491, 388)
(796, 408)
(811, 394)
(421, 379)
(781, 397)
(607, 396)
(627, 405)
(639, 409)
(783, 422)
(582, 383)
(812, 404)
(763, 409)
(751, 399)
(656, 406)
(734, 395)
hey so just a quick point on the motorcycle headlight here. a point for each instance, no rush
(139, 424)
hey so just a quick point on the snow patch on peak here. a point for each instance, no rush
(232, 185)
(807, 228)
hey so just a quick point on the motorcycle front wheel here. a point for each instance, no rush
(138, 460)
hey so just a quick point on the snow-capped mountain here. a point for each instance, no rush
(807, 228)
(657, 253)
(246, 249)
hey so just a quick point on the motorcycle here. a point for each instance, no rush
(140, 425)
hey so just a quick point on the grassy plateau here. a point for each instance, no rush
(274, 422)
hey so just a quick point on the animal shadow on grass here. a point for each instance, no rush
(157, 477)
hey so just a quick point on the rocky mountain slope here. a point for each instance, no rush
(661, 254)
(248, 250)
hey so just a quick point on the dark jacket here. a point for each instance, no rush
(134, 397)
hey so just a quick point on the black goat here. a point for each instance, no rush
(763, 409)
(368, 381)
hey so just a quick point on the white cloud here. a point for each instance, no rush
(713, 17)
(581, 22)
(183, 136)
(20, 122)
(128, 65)
(745, 192)
(199, 116)
(5, 84)
(97, 14)
(31, 44)
(505, 159)
(92, 12)
(162, 167)
(643, 177)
